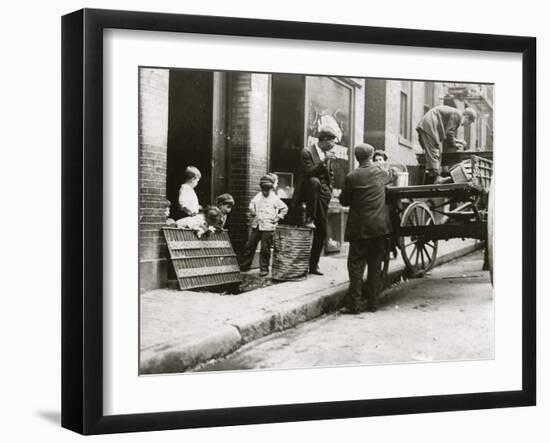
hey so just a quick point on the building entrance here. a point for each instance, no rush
(190, 111)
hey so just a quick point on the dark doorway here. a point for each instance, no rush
(287, 122)
(190, 131)
(287, 135)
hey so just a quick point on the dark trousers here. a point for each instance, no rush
(432, 153)
(266, 237)
(365, 253)
(317, 199)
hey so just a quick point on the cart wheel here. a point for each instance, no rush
(490, 230)
(418, 254)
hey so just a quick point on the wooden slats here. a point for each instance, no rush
(197, 272)
(199, 244)
(208, 261)
(482, 171)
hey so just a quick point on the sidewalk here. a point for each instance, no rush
(181, 329)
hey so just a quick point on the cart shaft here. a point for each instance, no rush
(445, 231)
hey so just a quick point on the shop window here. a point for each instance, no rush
(298, 112)
(328, 103)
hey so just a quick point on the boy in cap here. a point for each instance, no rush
(265, 211)
(225, 203)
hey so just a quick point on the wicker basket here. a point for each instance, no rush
(291, 252)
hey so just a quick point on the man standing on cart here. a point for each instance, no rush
(437, 128)
(367, 229)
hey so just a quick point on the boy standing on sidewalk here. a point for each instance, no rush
(265, 210)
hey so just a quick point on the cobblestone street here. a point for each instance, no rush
(448, 315)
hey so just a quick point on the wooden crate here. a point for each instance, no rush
(482, 171)
(201, 262)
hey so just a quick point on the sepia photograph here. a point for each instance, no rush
(295, 221)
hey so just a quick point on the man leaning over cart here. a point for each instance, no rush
(367, 229)
(436, 128)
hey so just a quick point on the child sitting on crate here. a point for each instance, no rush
(225, 203)
(169, 221)
(188, 202)
(208, 221)
(265, 211)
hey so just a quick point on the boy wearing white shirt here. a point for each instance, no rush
(188, 202)
(265, 210)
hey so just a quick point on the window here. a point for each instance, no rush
(298, 112)
(405, 110)
(404, 113)
(328, 103)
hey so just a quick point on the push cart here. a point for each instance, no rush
(423, 215)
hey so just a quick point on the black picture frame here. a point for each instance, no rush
(82, 218)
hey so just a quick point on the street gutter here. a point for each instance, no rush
(178, 356)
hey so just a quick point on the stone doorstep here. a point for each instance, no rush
(177, 357)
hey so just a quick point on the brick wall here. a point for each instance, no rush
(249, 146)
(153, 135)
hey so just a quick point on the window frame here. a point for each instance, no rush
(405, 116)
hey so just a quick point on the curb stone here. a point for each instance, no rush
(326, 301)
(177, 357)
